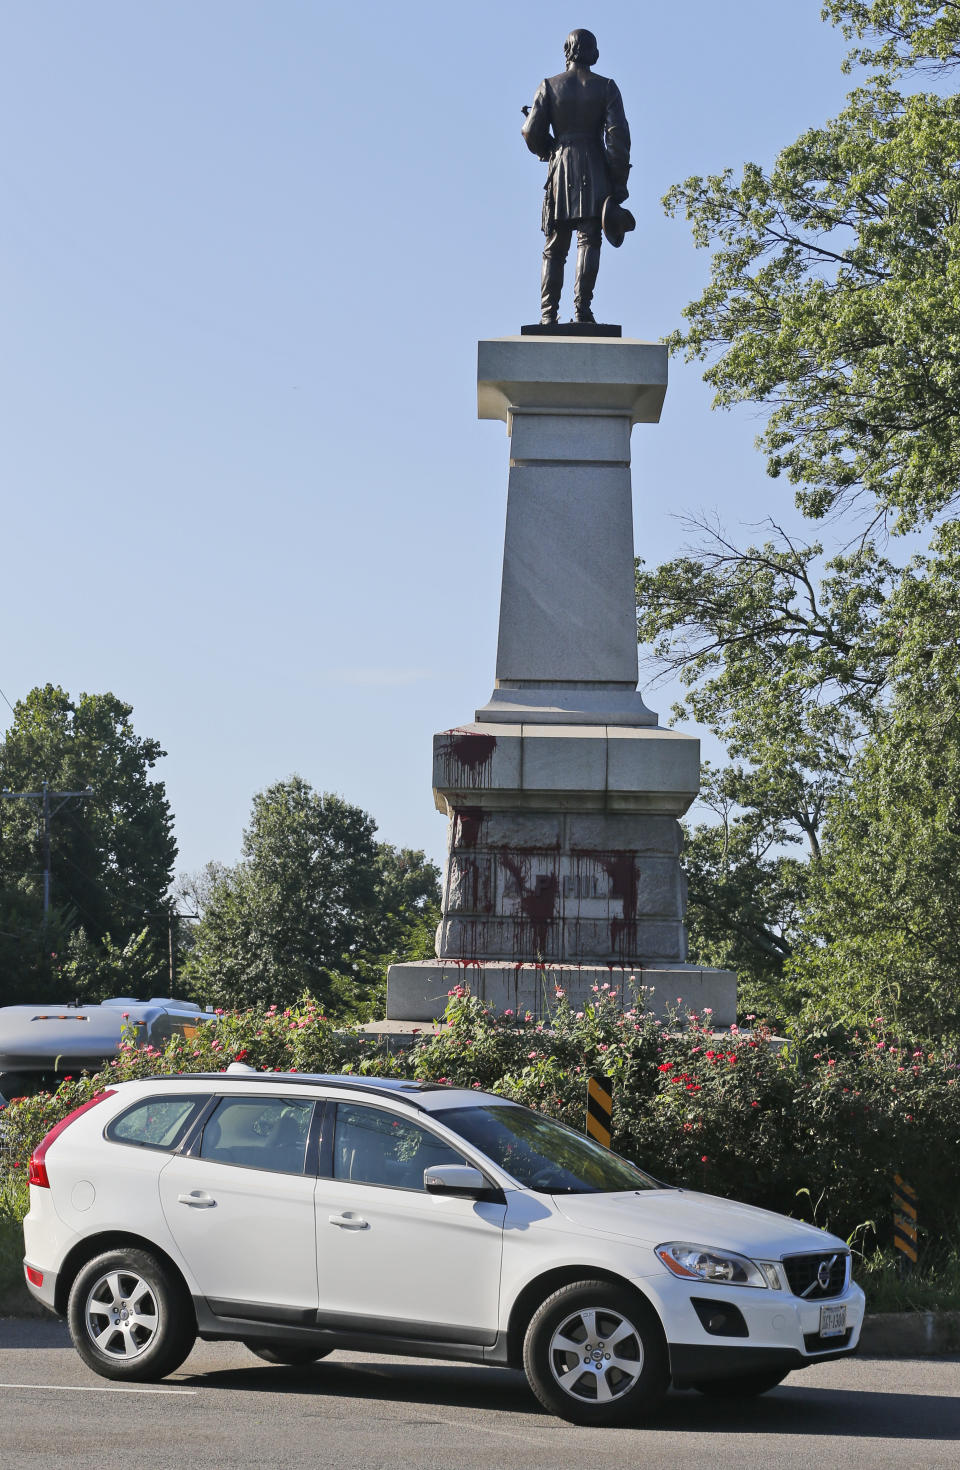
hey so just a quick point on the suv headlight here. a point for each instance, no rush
(705, 1263)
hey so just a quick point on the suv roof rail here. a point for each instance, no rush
(378, 1086)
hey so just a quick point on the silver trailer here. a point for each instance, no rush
(40, 1044)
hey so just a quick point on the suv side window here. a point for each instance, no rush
(259, 1133)
(156, 1122)
(373, 1146)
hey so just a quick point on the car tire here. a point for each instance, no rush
(289, 1355)
(615, 1340)
(130, 1316)
(747, 1386)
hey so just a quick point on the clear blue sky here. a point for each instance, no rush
(248, 247)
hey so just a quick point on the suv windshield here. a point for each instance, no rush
(543, 1154)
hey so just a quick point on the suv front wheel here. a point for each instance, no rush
(594, 1354)
(130, 1317)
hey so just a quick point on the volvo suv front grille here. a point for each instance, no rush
(816, 1277)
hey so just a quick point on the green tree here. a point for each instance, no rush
(785, 663)
(834, 298)
(882, 935)
(924, 34)
(408, 896)
(845, 728)
(745, 890)
(111, 854)
(785, 659)
(95, 971)
(834, 302)
(315, 905)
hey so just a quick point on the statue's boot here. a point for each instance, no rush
(551, 285)
(588, 265)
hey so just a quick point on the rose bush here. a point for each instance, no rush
(816, 1128)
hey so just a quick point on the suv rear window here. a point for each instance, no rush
(155, 1122)
(259, 1133)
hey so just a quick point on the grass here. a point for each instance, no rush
(13, 1206)
(934, 1286)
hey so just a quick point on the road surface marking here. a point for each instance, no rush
(95, 1388)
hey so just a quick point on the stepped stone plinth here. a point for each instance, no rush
(563, 797)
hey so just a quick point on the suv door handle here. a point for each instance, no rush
(198, 1198)
(349, 1222)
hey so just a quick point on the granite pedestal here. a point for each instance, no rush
(563, 797)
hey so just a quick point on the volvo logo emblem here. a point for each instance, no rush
(823, 1273)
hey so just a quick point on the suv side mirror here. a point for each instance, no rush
(459, 1179)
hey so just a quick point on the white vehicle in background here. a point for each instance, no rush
(41, 1044)
(300, 1214)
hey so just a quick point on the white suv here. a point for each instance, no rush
(299, 1214)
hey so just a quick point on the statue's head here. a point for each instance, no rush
(581, 48)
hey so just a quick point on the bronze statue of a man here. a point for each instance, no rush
(577, 126)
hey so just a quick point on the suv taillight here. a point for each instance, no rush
(37, 1173)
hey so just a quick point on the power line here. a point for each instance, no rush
(7, 702)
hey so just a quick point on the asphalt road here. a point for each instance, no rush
(225, 1409)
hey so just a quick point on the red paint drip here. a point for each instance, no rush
(469, 820)
(474, 752)
(465, 758)
(471, 875)
(538, 906)
(621, 868)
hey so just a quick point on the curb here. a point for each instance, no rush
(884, 1335)
(910, 1334)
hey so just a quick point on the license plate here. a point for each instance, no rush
(833, 1321)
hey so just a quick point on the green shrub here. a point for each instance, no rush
(13, 1207)
(816, 1129)
(936, 1288)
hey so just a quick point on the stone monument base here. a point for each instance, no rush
(563, 797)
(419, 991)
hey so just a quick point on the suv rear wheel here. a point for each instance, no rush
(594, 1354)
(130, 1317)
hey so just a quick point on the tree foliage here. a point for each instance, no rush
(902, 34)
(835, 299)
(828, 670)
(93, 972)
(884, 923)
(783, 661)
(315, 906)
(844, 726)
(112, 853)
(745, 890)
(408, 898)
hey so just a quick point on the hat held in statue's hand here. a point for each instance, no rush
(616, 221)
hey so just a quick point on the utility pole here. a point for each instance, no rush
(173, 917)
(47, 813)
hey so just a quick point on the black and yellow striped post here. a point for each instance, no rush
(905, 1222)
(599, 1109)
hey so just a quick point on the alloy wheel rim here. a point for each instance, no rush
(596, 1355)
(122, 1315)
